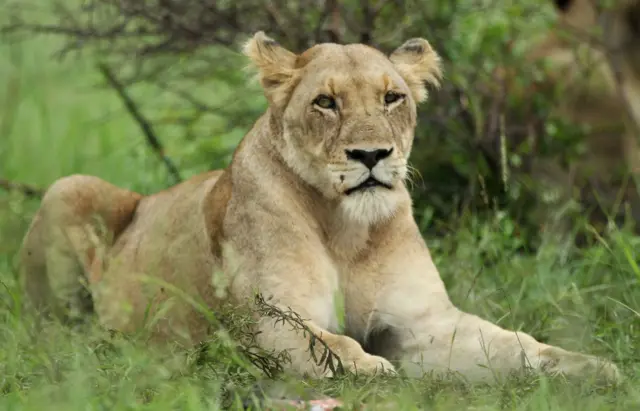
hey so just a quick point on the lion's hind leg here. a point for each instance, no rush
(78, 219)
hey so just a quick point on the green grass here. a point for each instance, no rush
(54, 122)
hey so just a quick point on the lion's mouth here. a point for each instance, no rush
(368, 183)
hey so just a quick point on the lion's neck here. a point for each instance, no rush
(262, 167)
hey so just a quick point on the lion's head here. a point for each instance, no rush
(612, 26)
(344, 116)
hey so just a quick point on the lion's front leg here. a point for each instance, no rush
(431, 334)
(277, 335)
(302, 282)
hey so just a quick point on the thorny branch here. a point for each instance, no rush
(328, 357)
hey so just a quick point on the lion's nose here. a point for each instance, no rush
(368, 157)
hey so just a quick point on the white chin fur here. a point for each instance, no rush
(370, 206)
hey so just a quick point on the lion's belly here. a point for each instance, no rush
(159, 268)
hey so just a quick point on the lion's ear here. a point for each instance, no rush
(275, 65)
(419, 65)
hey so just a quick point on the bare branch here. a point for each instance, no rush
(25, 189)
(143, 123)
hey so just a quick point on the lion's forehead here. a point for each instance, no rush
(350, 55)
(343, 70)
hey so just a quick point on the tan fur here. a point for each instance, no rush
(278, 221)
(586, 47)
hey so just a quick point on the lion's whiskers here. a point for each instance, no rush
(412, 174)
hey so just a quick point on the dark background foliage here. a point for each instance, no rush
(475, 140)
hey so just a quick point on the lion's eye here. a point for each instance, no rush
(325, 102)
(391, 97)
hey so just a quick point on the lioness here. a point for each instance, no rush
(593, 57)
(313, 203)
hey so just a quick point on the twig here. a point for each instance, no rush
(143, 123)
(333, 24)
(25, 189)
(370, 15)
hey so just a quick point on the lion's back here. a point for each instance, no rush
(165, 249)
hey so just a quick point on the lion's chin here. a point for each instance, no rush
(370, 206)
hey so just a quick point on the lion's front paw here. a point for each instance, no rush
(554, 360)
(371, 364)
